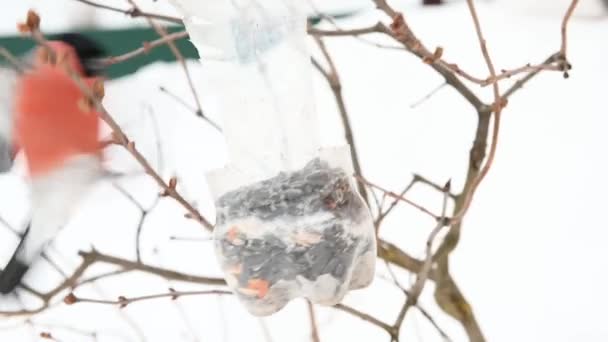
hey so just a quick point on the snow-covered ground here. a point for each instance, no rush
(532, 259)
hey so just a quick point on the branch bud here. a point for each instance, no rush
(123, 301)
(70, 299)
(173, 183)
(172, 290)
(32, 22)
(436, 56)
(98, 90)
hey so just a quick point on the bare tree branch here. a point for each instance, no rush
(564, 28)
(416, 290)
(397, 196)
(133, 13)
(377, 28)
(314, 329)
(190, 108)
(178, 55)
(146, 47)
(365, 317)
(124, 301)
(333, 79)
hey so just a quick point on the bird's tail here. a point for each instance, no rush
(14, 271)
(6, 157)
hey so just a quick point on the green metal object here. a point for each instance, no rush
(118, 42)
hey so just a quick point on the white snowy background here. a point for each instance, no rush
(532, 260)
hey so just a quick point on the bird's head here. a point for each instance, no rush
(77, 51)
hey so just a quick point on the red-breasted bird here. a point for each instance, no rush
(58, 134)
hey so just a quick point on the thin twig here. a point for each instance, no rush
(521, 82)
(190, 239)
(428, 96)
(140, 226)
(433, 322)
(396, 196)
(422, 310)
(98, 257)
(314, 329)
(333, 79)
(382, 214)
(423, 180)
(133, 13)
(9, 227)
(179, 307)
(402, 33)
(564, 28)
(104, 276)
(496, 108)
(524, 69)
(423, 275)
(19, 66)
(330, 20)
(124, 301)
(178, 55)
(190, 108)
(45, 335)
(131, 323)
(91, 334)
(94, 257)
(160, 157)
(376, 28)
(144, 212)
(45, 256)
(128, 196)
(364, 316)
(146, 47)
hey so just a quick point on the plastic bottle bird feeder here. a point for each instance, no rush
(290, 222)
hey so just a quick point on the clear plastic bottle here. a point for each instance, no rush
(290, 222)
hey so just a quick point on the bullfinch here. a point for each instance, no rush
(52, 123)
